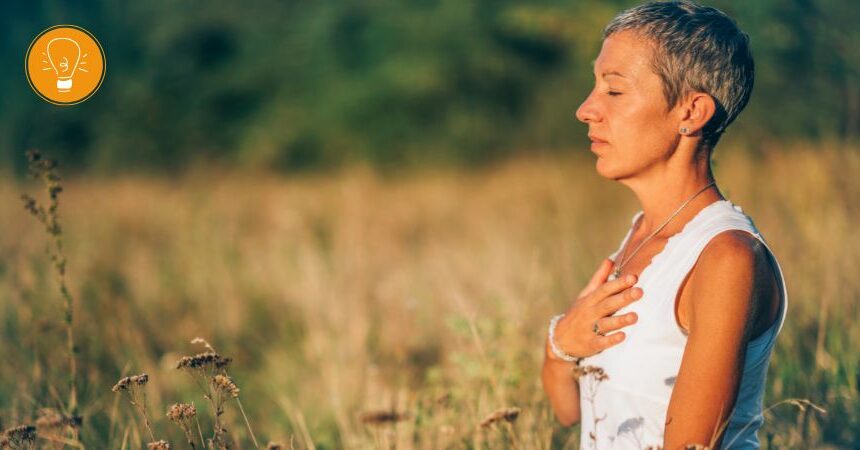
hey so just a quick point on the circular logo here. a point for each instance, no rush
(65, 64)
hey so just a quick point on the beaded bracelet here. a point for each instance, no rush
(555, 350)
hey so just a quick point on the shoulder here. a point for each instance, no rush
(723, 279)
(731, 254)
(732, 248)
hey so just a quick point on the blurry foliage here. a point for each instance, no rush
(306, 85)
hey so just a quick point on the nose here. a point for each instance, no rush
(587, 111)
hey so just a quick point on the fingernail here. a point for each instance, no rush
(630, 278)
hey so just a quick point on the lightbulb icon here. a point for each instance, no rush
(56, 60)
(64, 56)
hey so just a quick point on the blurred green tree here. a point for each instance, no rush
(307, 85)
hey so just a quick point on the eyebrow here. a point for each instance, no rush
(612, 72)
(609, 72)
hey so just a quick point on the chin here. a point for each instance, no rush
(602, 169)
(606, 170)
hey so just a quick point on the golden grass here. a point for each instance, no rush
(422, 298)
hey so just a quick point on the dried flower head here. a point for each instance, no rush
(506, 414)
(381, 417)
(224, 385)
(203, 361)
(127, 383)
(23, 436)
(597, 372)
(181, 412)
(158, 445)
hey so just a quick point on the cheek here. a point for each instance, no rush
(638, 124)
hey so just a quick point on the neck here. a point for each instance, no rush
(664, 187)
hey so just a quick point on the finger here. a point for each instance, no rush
(603, 342)
(613, 303)
(614, 323)
(599, 276)
(614, 286)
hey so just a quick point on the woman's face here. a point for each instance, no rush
(628, 124)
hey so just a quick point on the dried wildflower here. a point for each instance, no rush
(50, 418)
(181, 412)
(204, 368)
(133, 387)
(158, 445)
(44, 169)
(588, 386)
(597, 372)
(209, 371)
(203, 361)
(506, 414)
(224, 385)
(381, 417)
(131, 382)
(20, 437)
(122, 385)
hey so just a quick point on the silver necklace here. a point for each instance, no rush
(618, 268)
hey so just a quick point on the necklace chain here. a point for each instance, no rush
(624, 261)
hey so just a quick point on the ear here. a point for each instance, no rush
(696, 111)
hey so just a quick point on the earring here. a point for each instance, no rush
(683, 130)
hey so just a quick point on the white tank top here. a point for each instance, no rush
(627, 410)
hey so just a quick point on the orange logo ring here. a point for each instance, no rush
(61, 89)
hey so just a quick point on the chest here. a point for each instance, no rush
(642, 260)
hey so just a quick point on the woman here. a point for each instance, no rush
(670, 341)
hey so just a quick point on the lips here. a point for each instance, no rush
(596, 139)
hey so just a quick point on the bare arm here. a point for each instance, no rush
(573, 335)
(561, 388)
(721, 317)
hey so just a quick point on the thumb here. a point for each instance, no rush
(599, 276)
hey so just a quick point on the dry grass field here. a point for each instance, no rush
(363, 311)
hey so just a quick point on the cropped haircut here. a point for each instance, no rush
(695, 48)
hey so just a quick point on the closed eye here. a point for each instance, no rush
(613, 93)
